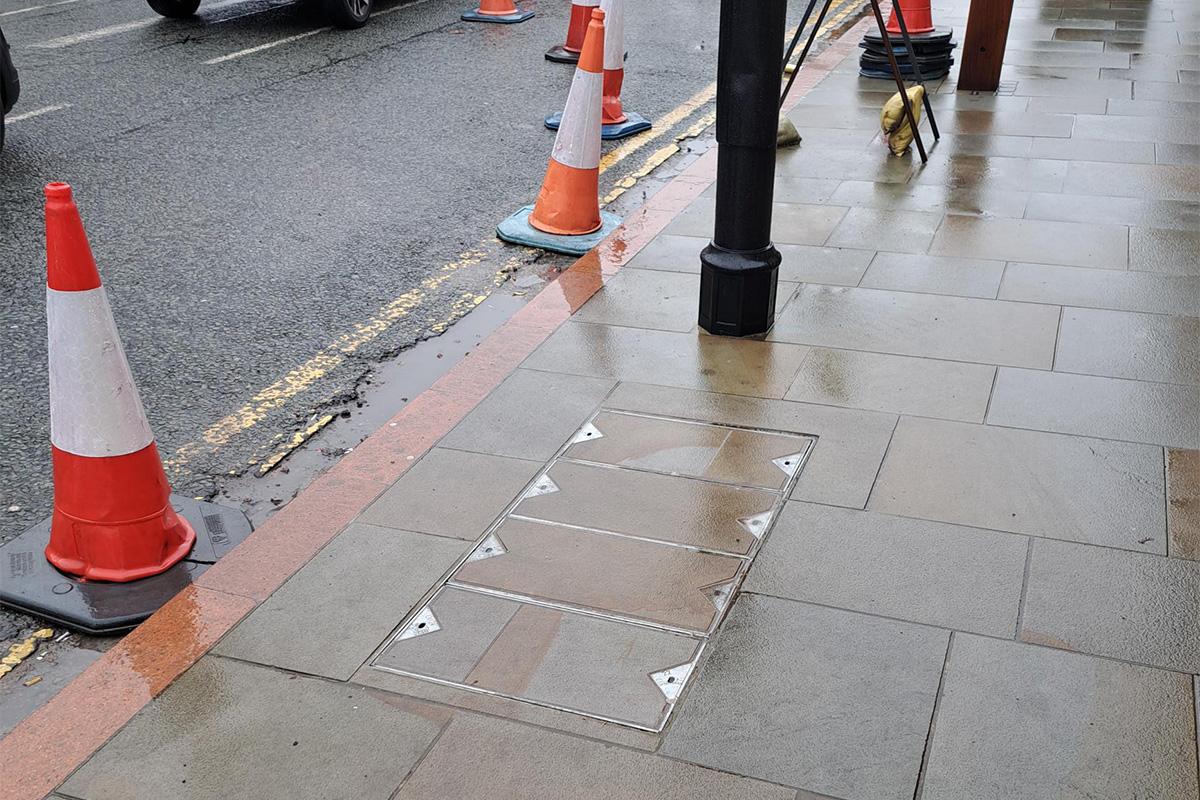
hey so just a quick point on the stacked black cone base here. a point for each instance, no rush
(933, 51)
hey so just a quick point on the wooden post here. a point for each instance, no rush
(983, 47)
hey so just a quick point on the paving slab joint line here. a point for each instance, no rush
(919, 788)
(1024, 589)
(35, 773)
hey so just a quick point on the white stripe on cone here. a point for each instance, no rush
(95, 409)
(578, 141)
(614, 34)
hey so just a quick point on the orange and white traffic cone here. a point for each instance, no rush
(616, 123)
(118, 544)
(113, 519)
(502, 11)
(566, 217)
(581, 12)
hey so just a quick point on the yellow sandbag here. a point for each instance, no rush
(895, 123)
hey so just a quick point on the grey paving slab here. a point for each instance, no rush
(964, 277)
(500, 425)
(850, 165)
(930, 198)
(1121, 290)
(834, 116)
(1080, 148)
(1050, 87)
(1153, 108)
(901, 384)
(797, 189)
(556, 658)
(1013, 174)
(330, 616)
(1086, 405)
(1167, 181)
(1017, 722)
(1063, 58)
(786, 689)
(928, 572)
(1063, 487)
(1112, 210)
(1183, 504)
(1165, 153)
(689, 360)
(1132, 606)
(227, 729)
(792, 223)
(480, 758)
(1120, 344)
(1166, 90)
(1168, 251)
(930, 326)
(1039, 241)
(884, 229)
(1008, 123)
(978, 144)
(648, 299)
(451, 493)
(1068, 105)
(1143, 129)
(840, 266)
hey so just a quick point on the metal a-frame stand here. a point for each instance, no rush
(887, 44)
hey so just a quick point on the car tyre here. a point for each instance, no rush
(175, 9)
(348, 13)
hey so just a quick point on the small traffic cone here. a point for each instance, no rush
(581, 12)
(566, 217)
(616, 123)
(115, 542)
(918, 17)
(502, 11)
(113, 519)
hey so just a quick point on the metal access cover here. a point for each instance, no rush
(610, 575)
(560, 659)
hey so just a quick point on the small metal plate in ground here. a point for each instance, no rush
(651, 506)
(614, 575)
(700, 450)
(550, 657)
(30, 584)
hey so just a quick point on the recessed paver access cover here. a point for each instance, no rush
(596, 591)
(616, 575)
(547, 656)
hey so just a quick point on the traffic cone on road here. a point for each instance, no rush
(616, 123)
(566, 217)
(581, 12)
(502, 11)
(113, 519)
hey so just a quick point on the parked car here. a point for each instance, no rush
(342, 13)
(10, 86)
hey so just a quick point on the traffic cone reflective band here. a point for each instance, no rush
(566, 217)
(918, 17)
(503, 11)
(581, 12)
(615, 122)
(112, 519)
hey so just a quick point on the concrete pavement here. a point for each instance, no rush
(933, 536)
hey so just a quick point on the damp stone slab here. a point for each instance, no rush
(1045, 484)
(1018, 722)
(228, 729)
(452, 493)
(785, 692)
(713, 516)
(651, 582)
(330, 616)
(482, 758)
(679, 447)
(561, 659)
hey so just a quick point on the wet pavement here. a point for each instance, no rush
(935, 535)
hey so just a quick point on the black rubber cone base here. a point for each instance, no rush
(561, 55)
(30, 584)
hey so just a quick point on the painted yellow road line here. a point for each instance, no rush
(333, 355)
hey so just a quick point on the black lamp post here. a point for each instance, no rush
(739, 269)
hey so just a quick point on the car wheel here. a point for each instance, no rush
(175, 9)
(348, 13)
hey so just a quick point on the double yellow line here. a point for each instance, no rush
(305, 375)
